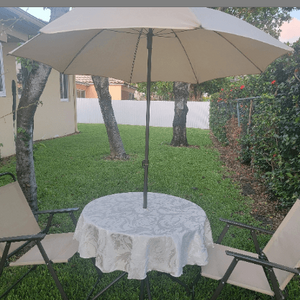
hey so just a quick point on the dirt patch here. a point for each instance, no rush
(6, 160)
(263, 209)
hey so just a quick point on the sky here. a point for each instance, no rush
(38, 12)
(290, 31)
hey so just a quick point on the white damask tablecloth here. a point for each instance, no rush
(122, 235)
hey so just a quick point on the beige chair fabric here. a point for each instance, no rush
(283, 248)
(245, 275)
(59, 249)
(16, 219)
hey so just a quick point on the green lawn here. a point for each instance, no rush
(71, 171)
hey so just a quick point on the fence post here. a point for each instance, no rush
(250, 115)
(238, 112)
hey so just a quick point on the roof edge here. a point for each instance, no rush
(27, 16)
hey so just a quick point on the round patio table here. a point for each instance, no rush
(121, 235)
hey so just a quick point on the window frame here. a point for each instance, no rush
(79, 91)
(64, 87)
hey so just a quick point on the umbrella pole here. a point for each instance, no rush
(146, 161)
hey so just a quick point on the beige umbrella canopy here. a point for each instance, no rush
(189, 44)
(137, 44)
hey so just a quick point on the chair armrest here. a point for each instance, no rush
(241, 225)
(21, 238)
(261, 262)
(51, 213)
(57, 211)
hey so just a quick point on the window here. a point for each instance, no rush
(64, 87)
(80, 93)
(2, 81)
(131, 96)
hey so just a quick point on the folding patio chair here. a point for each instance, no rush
(269, 270)
(19, 228)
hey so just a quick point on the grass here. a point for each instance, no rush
(71, 171)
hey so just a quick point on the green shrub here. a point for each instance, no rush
(270, 121)
(275, 140)
(219, 115)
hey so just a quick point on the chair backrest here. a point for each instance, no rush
(284, 246)
(16, 217)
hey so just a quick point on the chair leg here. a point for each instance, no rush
(187, 289)
(270, 275)
(218, 290)
(224, 279)
(198, 277)
(92, 290)
(20, 279)
(4, 257)
(51, 270)
(278, 293)
(100, 274)
(112, 283)
(98, 279)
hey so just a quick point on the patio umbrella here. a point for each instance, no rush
(138, 44)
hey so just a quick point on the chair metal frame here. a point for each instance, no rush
(144, 282)
(262, 260)
(33, 240)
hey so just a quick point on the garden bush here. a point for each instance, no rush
(275, 140)
(268, 110)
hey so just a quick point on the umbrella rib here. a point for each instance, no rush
(165, 35)
(83, 48)
(186, 55)
(239, 51)
(134, 56)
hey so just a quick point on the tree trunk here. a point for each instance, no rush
(115, 142)
(32, 91)
(181, 94)
(196, 93)
(24, 141)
